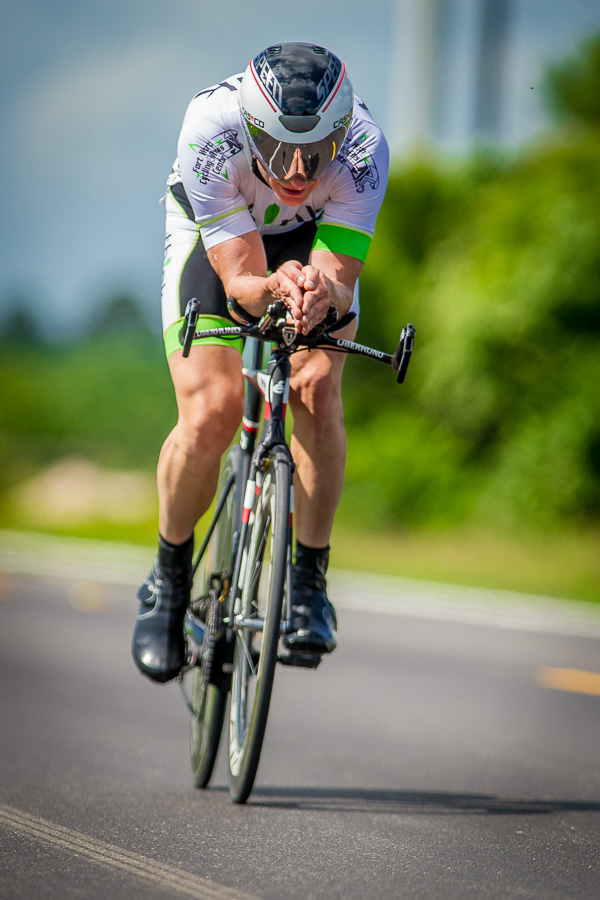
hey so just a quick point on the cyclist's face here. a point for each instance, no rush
(295, 189)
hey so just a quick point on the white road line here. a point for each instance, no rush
(120, 564)
(178, 881)
(57, 557)
(468, 605)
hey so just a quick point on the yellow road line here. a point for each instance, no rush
(178, 881)
(576, 680)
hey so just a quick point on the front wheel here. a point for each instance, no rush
(257, 625)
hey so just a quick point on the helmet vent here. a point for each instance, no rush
(299, 124)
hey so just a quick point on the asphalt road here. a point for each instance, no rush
(424, 759)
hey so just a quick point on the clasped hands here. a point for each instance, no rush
(306, 293)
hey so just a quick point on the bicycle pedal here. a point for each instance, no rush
(302, 660)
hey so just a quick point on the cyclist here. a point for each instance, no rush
(274, 195)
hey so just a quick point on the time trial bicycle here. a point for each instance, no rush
(241, 600)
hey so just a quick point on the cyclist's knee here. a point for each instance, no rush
(209, 419)
(315, 392)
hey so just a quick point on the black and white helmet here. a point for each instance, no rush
(297, 102)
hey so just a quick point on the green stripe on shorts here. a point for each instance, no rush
(172, 342)
(341, 239)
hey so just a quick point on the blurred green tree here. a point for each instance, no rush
(497, 261)
(573, 87)
(20, 325)
(119, 313)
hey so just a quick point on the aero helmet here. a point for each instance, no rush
(297, 102)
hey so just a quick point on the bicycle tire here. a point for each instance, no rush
(255, 653)
(210, 688)
(206, 730)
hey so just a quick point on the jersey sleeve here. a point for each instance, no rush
(209, 154)
(348, 222)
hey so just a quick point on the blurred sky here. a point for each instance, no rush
(92, 97)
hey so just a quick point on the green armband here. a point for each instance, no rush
(342, 239)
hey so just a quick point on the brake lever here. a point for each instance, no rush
(401, 357)
(192, 311)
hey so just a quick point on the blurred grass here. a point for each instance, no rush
(564, 565)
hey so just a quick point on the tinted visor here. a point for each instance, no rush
(283, 160)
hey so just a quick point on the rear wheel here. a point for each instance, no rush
(258, 622)
(210, 679)
(209, 701)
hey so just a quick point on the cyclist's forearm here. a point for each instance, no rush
(340, 296)
(253, 292)
(241, 265)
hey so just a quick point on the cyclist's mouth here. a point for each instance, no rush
(294, 194)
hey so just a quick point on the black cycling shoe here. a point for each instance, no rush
(313, 622)
(158, 644)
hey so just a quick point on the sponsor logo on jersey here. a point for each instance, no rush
(267, 78)
(362, 166)
(312, 215)
(304, 214)
(214, 153)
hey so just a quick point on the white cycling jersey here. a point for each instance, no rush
(228, 198)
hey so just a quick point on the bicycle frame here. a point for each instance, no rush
(270, 385)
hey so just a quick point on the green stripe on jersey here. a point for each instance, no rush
(341, 239)
(224, 215)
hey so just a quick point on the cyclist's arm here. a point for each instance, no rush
(241, 264)
(308, 291)
(341, 273)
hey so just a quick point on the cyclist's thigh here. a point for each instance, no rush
(209, 386)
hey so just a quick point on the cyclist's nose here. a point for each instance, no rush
(297, 171)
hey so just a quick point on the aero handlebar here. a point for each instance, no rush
(275, 328)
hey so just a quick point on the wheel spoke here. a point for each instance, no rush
(246, 646)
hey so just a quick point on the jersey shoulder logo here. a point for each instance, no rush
(227, 143)
(213, 154)
(362, 166)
